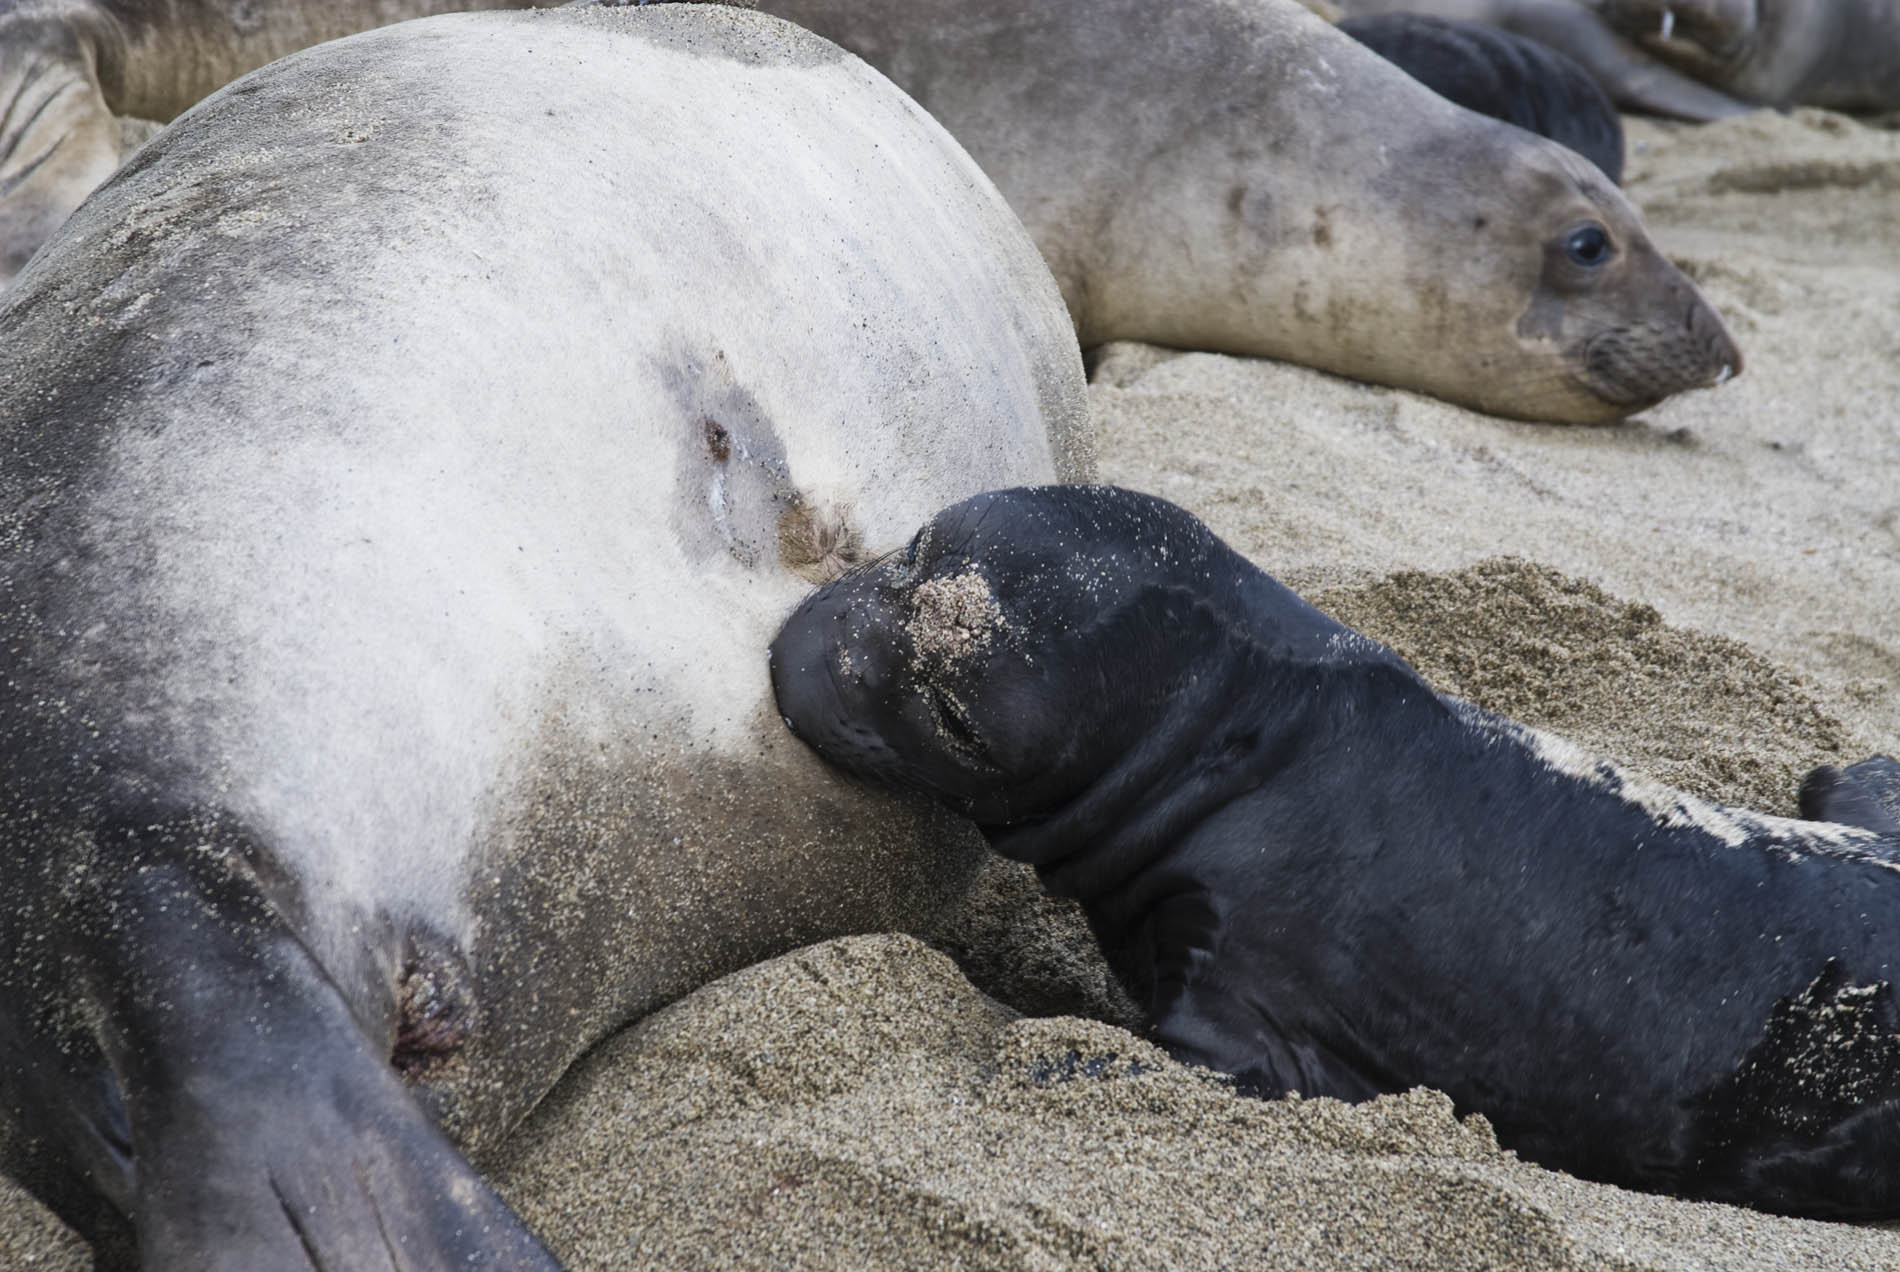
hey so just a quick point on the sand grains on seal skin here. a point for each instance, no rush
(953, 617)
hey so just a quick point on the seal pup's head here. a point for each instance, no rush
(1030, 644)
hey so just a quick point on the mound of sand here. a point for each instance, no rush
(858, 1105)
(1705, 592)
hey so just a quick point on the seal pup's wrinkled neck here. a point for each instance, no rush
(1230, 715)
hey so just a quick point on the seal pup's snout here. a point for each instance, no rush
(829, 677)
(800, 661)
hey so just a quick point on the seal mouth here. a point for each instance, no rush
(1635, 367)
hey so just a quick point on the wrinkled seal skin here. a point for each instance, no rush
(1502, 75)
(403, 462)
(1282, 191)
(1317, 874)
(68, 66)
(1706, 59)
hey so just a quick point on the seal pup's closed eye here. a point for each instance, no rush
(1318, 875)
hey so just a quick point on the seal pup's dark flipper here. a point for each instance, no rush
(1866, 794)
(1811, 1116)
(1168, 962)
(267, 1131)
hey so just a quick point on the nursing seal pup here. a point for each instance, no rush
(1245, 178)
(403, 463)
(1318, 875)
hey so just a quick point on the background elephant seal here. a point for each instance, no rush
(1841, 54)
(404, 463)
(1502, 75)
(68, 66)
(1705, 59)
(1317, 874)
(1244, 178)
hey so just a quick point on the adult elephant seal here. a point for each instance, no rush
(1245, 178)
(1841, 54)
(1706, 59)
(404, 463)
(1317, 874)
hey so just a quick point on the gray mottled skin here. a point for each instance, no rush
(1706, 59)
(1236, 175)
(404, 462)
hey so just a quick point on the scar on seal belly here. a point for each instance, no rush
(1316, 874)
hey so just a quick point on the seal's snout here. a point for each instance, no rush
(1638, 366)
(1722, 358)
(831, 679)
(798, 659)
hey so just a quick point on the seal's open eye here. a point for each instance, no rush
(1588, 245)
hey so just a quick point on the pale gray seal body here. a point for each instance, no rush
(1244, 178)
(403, 463)
(1706, 59)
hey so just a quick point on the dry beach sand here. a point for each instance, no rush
(1704, 593)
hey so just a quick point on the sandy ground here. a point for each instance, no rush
(1704, 592)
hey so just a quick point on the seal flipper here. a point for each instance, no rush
(1866, 795)
(1205, 1021)
(267, 1131)
(1809, 1121)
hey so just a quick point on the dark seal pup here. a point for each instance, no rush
(1503, 75)
(1317, 874)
